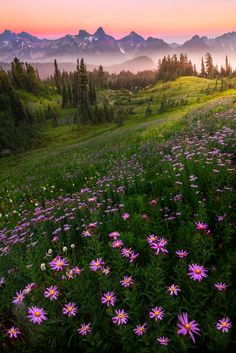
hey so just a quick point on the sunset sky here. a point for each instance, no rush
(173, 20)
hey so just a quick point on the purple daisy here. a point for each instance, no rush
(173, 289)
(121, 317)
(127, 281)
(140, 330)
(13, 332)
(117, 244)
(164, 341)
(181, 253)
(70, 309)
(58, 263)
(220, 286)
(109, 298)
(197, 272)
(84, 329)
(114, 235)
(224, 324)
(19, 297)
(51, 292)
(36, 315)
(157, 313)
(186, 327)
(96, 264)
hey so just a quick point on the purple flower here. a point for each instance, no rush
(108, 298)
(201, 226)
(220, 286)
(127, 281)
(164, 341)
(117, 244)
(196, 272)
(29, 288)
(126, 252)
(36, 315)
(13, 332)
(84, 329)
(186, 327)
(224, 324)
(125, 216)
(51, 293)
(181, 253)
(157, 313)
(152, 239)
(70, 309)
(173, 289)
(140, 330)
(114, 235)
(121, 317)
(19, 297)
(159, 246)
(58, 263)
(96, 264)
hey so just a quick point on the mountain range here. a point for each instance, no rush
(101, 45)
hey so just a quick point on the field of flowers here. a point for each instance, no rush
(141, 258)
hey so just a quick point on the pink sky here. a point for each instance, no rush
(173, 20)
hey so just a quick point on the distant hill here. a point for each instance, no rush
(103, 47)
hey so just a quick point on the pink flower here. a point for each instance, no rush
(201, 226)
(108, 298)
(106, 270)
(125, 216)
(70, 309)
(224, 324)
(77, 271)
(96, 264)
(173, 289)
(220, 286)
(159, 246)
(120, 318)
(181, 253)
(157, 313)
(29, 288)
(51, 293)
(13, 332)
(127, 281)
(114, 235)
(133, 256)
(164, 341)
(117, 244)
(186, 327)
(84, 329)
(19, 297)
(140, 330)
(36, 315)
(126, 252)
(196, 272)
(58, 263)
(152, 239)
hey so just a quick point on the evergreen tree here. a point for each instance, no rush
(57, 77)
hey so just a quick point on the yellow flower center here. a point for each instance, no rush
(187, 326)
(198, 271)
(60, 263)
(12, 331)
(156, 312)
(51, 292)
(224, 324)
(69, 308)
(37, 313)
(108, 297)
(121, 316)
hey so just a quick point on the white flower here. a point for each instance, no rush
(49, 251)
(64, 248)
(43, 267)
(72, 246)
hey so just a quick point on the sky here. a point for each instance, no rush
(172, 20)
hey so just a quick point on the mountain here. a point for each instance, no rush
(140, 63)
(103, 47)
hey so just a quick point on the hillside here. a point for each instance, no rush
(119, 216)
